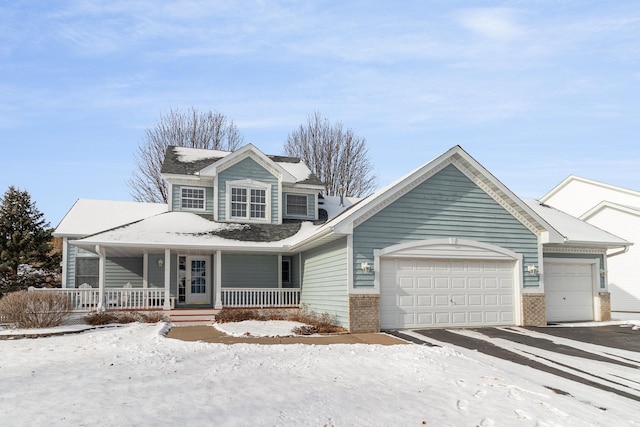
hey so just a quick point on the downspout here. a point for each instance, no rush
(620, 252)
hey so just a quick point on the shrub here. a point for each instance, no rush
(315, 323)
(24, 309)
(107, 317)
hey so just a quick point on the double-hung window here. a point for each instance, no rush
(297, 204)
(249, 200)
(192, 198)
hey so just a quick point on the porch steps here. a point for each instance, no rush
(193, 316)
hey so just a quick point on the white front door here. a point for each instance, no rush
(193, 278)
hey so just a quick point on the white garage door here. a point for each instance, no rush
(568, 290)
(427, 292)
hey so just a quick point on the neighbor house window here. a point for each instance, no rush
(249, 200)
(297, 204)
(87, 271)
(192, 198)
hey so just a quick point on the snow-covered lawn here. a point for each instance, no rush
(133, 375)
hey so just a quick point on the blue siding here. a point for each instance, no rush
(324, 280)
(176, 203)
(568, 256)
(446, 205)
(119, 271)
(249, 271)
(155, 276)
(247, 169)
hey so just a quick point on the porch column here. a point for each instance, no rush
(167, 279)
(101, 263)
(217, 283)
(145, 269)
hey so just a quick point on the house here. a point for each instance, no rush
(446, 245)
(616, 210)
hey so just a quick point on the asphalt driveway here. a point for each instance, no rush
(605, 357)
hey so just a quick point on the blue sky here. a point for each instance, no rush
(534, 90)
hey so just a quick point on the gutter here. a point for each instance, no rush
(620, 252)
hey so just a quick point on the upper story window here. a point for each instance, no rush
(192, 198)
(297, 205)
(249, 200)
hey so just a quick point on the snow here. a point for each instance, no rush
(133, 375)
(256, 328)
(184, 229)
(574, 229)
(190, 155)
(89, 216)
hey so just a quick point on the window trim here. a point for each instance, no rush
(248, 185)
(204, 198)
(306, 205)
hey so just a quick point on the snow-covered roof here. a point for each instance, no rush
(190, 231)
(88, 216)
(575, 230)
(191, 161)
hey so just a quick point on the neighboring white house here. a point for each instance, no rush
(616, 210)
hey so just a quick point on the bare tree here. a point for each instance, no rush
(335, 155)
(191, 128)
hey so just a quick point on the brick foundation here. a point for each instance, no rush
(605, 306)
(534, 310)
(364, 313)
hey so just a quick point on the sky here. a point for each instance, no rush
(533, 90)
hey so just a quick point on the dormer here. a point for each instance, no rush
(244, 186)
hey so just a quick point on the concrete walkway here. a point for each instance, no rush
(212, 335)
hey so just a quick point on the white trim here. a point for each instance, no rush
(574, 250)
(249, 184)
(216, 201)
(397, 250)
(170, 196)
(101, 272)
(145, 269)
(204, 199)
(610, 205)
(571, 178)
(217, 284)
(64, 262)
(167, 279)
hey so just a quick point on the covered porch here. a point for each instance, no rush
(138, 278)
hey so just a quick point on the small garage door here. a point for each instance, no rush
(429, 292)
(568, 291)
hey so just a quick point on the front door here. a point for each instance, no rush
(195, 282)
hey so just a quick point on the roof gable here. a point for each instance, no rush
(604, 205)
(460, 159)
(205, 162)
(577, 179)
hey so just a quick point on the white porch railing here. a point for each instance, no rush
(254, 297)
(87, 299)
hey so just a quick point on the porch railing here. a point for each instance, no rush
(87, 299)
(254, 297)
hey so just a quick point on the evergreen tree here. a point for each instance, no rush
(25, 239)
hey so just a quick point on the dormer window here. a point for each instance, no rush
(249, 201)
(297, 205)
(192, 198)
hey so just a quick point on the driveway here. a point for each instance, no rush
(605, 357)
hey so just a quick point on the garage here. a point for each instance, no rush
(423, 292)
(569, 289)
